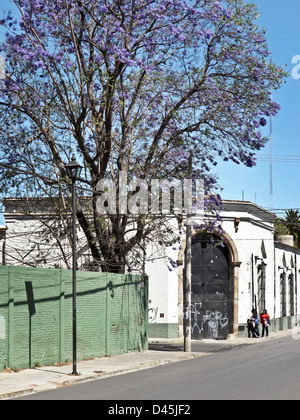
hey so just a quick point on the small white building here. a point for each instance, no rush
(251, 269)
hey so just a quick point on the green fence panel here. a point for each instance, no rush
(36, 315)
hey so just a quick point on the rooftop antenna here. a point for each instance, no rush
(271, 163)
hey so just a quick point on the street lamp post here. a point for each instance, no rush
(73, 170)
(188, 276)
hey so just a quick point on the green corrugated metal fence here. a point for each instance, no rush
(36, 315)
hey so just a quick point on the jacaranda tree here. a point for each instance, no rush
(129, 86)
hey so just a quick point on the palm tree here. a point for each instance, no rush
(292, 222)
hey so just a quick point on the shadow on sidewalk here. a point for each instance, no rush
(202, 346)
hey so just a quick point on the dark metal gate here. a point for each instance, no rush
(210, 290)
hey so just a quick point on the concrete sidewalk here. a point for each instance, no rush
(15, 384)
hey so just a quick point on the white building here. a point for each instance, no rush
(251, 270)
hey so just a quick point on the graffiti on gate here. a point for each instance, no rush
(212, 324)
(195, 311)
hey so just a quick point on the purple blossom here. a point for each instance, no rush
(263, 122)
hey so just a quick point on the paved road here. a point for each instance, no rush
(268, 370)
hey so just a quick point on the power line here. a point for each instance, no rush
(279, 158)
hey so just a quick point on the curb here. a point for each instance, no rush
(16, 394)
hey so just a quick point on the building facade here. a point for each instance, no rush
(243, 268)
(252, 269)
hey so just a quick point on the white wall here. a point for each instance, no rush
(2, 241)
(163, 285)
(28, 243)
(287, 262)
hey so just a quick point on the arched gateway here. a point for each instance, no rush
(215, 279)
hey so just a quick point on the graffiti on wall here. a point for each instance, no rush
(152, 312)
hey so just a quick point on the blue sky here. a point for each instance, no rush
(281, 22)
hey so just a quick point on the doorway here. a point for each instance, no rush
(211, 311)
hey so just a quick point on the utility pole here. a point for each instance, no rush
(187, 284)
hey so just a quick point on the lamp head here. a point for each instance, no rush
(73, 169)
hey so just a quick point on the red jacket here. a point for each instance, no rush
(264, 318)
